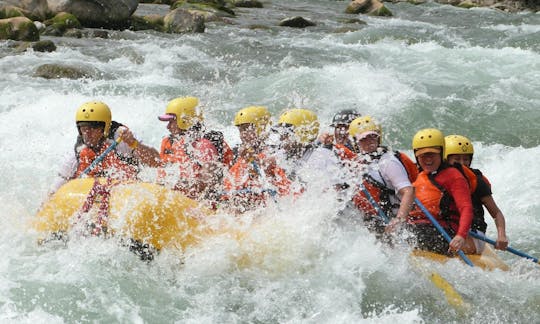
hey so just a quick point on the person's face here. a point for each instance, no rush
(429, 161)
(341, 133)
(463, 159)
(283, 138)
(248, 133)
(173, 128)
(369, 144)
(91, 135)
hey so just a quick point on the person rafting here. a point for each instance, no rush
(385, 182)
(340, 141)
(255, 176)
(444, 192)
(293, 140)
(459, 150)
(190, 162)
(97, 132)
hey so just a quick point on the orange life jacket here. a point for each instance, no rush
(112, 166)
(248, 177)
(343, 152)
(228, 155)
(435, 199)
(180, 152)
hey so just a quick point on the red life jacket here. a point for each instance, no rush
(112, 166)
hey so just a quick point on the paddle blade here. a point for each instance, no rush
(452, 296)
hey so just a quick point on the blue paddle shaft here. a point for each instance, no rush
(441, 230)
(374, 204)
(100, 158)
(509, 249)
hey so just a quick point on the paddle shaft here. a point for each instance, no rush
(375, 205)
(441, 230)
(509, 249)
(101, 157)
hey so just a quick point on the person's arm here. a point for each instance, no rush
(394, 172)
(405, 206)
(407, 202)
(500, 223)
(458, 187)
(326, 140)
(147, 155)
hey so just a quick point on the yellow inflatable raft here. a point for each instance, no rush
(488, 260)
(145, 212)
(152, 214)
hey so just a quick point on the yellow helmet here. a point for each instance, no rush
(185, 110)
(95, 111)
(256, 115)
(304, 122)
(457, 144)
(428, 140)
(364, 125)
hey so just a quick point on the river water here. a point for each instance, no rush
(472, 72)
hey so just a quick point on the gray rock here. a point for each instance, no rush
(18, 28)
(368, 7)
(296, 22)
(97, 13)
(183, 21)
(247, 4)
(44, 46)
(38, 9)
(58, 71)
(39, 46)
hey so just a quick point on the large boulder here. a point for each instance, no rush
(184, 21)
(61, 71)
(37, 9)
(60, 23)
(97, 13)
(368, 7)
(11, 11)
(296, 22)
(246, 3)
(154, 22)
(18, 28)
(209, 8)
(39, 46)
